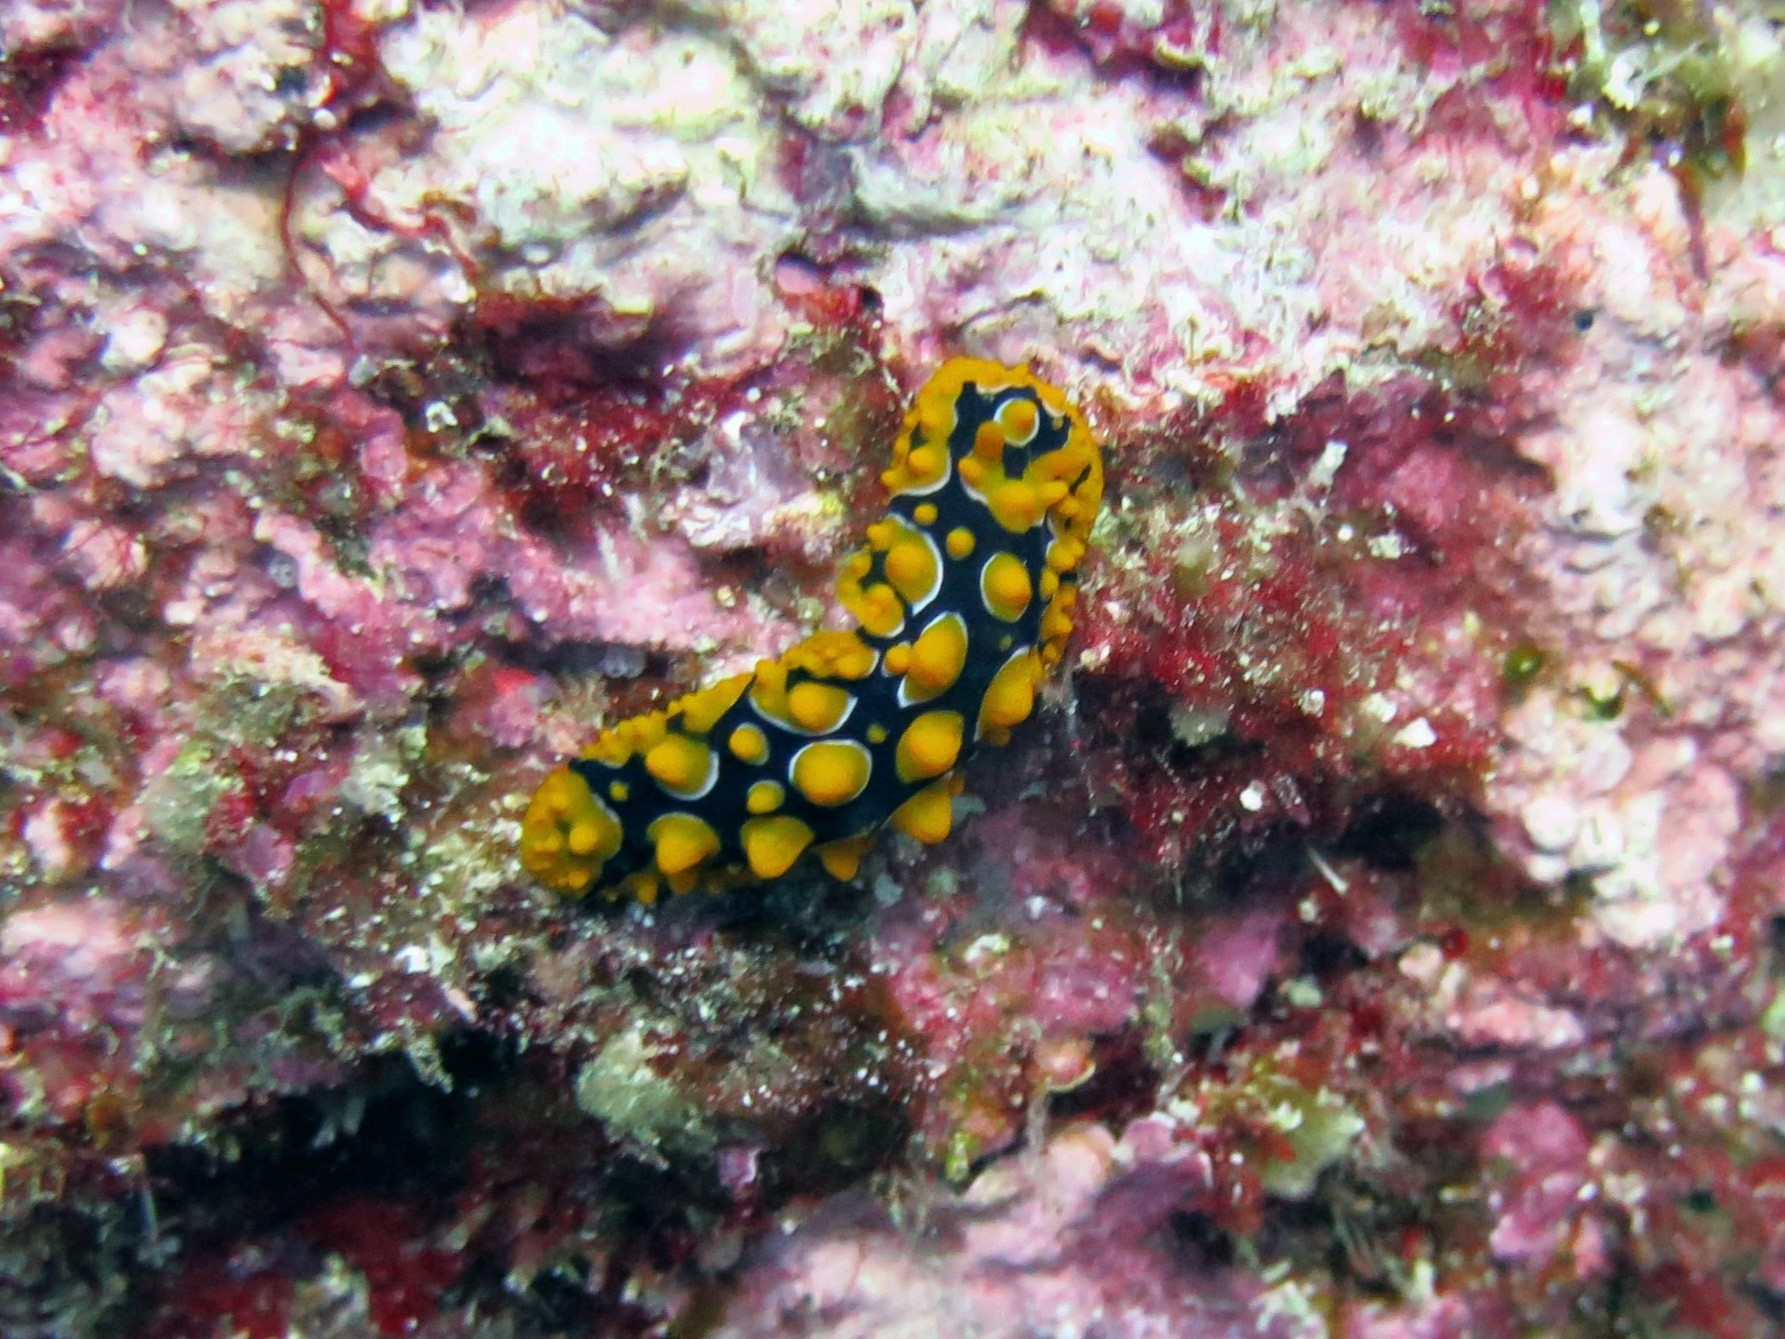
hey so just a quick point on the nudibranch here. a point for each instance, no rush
(961, 602)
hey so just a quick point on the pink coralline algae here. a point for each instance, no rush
(1377, 934)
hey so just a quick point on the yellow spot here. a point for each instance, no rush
(898, 658)
(973, 471)
(920, 456)
(865, 603)
(1019, 420)
(875, 607)
(764, 797)
(913, 567)
(1016, 505)
(876, 733)
(1050, 582)
(683, 841)
(832, 772)
(642, 887)
(632, 736)
(682, 765)
(1010, 696)
(1005, 587)
(749, 744)
(619, 792)
(701, 711)
(831, 655)
(924, 513)
(841, 859)
(960, 543)
(568, 833)
(988, 441)
(771, 845)
(936, 659)
(818, 707)
(810, 705)
(929, 746)
(771, 677)
(927, 815)
(1063, 555)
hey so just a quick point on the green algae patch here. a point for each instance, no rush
(1318, 1127)
(620, 1088)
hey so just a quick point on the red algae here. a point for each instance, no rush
(1342, 625)
(1505, 74)
(404, 1278)
(220, 1296)
(1177, 35)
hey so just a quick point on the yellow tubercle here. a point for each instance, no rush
(641, 887)
(683, 841)
(927, 463)
(771, 845)
(632, 736)
(927, 815)
(1011, 695)
(701, 711)
(568, 833)
(841, 859)
(937, 658)
(912, 564)
(876, 606)
(818, 707)
(832, 772)
(1019, 420)
(683, 765)
(929, 746)
(1015, 505)
(1063, 555)
(809, 705)
(749, 744)
(833, 654)
(764, 797)
(1056, 622)
(1005, 587)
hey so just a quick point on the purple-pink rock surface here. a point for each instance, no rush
(1378, 931)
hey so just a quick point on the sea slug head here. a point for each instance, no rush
(568, 833)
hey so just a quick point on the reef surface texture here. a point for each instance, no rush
(1377, 930)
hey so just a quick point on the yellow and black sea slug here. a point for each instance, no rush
(962, 600)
